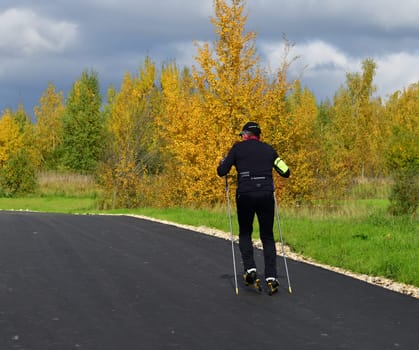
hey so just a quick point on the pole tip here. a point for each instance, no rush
(237, 291)
(289, 289)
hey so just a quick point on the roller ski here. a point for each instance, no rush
(272, 284)
(251, 279)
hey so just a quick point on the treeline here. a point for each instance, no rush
(157, 140)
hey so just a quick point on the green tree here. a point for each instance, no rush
(21, 118)
(83, 125)
(324, 117)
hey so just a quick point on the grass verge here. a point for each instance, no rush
(50, 204)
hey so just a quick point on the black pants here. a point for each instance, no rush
(263, 205)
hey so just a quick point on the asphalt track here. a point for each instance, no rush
(116, 282)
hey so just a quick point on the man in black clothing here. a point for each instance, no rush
(254, 161)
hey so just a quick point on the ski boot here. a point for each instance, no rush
(273, 285)
(250, 278)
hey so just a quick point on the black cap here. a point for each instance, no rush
(252, 127)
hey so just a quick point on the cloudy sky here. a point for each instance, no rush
(54, 41)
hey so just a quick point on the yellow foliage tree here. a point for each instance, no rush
(202, 118)
(231, 89)
(11, 139)
(301, 145)
(370, 124)
(230, 80)
(130, 155)
(289, 118)
(48, 127)
(408, 110)
(402, 154)
(18, 157)
(26, 128)
(356, 134)
(185, 135)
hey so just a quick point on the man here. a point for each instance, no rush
(254, 161)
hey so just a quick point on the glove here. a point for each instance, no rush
(281, 167)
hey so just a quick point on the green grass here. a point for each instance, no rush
(376, 244)
(356, 234)
(62, 192)
(54, 204)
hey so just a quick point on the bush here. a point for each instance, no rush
(404, 195)
(403, 161)
(17, 176)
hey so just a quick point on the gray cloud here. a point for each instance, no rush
(23, 32)
(55, 41)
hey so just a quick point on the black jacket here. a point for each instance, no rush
(254, 161)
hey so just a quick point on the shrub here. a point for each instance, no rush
(404, 196)
(17, 176)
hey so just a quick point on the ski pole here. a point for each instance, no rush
(231, 236)
(282, 244)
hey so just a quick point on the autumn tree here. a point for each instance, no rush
(184, 132)
(83, 125)
(230, 81)
(354, 139)
(131, 155)
(21, 118)
(27, 130)
(300, 143)
(11, 139)
(48, 127)
(402, 109)
(367, 112)
(17, 173)
(289, 117)
(202, 118)
(227, 92)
